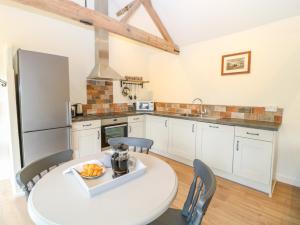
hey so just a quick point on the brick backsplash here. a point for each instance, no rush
(223, 111)
(100, 98)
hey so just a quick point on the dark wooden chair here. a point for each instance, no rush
(201, 192)
(140, 144)
(29, 175)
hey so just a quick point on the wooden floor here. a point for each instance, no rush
(232, 203)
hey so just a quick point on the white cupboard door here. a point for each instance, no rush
(182, 138)
(136, 129)
(253, 159)
(199, 141)
(158, 131)
(217, 146)
(87, 142)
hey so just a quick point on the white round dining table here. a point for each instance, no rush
(59, 198)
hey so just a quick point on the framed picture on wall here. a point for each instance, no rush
(237, 63)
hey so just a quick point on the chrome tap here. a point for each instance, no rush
(202, 111)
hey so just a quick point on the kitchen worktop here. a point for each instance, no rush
(225, 121)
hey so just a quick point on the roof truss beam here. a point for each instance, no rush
(71, 10)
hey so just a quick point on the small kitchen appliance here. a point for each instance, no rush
(119, 160)
(146, 106)
(73, 111)
(79, 110)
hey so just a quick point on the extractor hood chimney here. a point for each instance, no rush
(102, 70)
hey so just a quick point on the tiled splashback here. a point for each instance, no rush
(223, 111)
(100, 98)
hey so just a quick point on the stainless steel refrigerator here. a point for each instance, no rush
(43, 104)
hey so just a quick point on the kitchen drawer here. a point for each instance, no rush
(86, 125)
(133, 119)
(252, 133)
(217, 126)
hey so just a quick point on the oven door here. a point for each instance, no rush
(112, 131)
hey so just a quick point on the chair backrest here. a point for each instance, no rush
(200, 194)
(30, 174)
(141, 144)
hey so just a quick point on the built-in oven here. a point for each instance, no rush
(112, 128)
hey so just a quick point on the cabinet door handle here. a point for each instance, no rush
(98, 134)
(87, 125)
(193, 128)
(166, 123)
(237, 146)
(211, 126)
(255, 134)
(129, 129)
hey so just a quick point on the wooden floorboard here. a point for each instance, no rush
(232, 204)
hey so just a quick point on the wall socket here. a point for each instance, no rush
(271, 108)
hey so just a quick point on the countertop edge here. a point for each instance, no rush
(230, 122)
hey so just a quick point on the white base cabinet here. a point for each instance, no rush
(253, 159)
(86, 138)
(217, 146)
(182, 139)
(255, 156)
(136, 126)
(157, 130)
(244, 155)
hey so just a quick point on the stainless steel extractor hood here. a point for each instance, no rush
(102, 69)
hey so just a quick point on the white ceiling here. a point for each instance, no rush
(190, 21)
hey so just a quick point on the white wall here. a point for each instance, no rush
(128, 57)
(5, 161)
(274, 80)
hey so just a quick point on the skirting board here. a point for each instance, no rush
(288, 180)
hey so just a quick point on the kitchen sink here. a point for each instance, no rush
(189, 115)
(199, 116)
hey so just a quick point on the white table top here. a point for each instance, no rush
(59, 199)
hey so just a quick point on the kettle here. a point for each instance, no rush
(119, 160)
(78, 109)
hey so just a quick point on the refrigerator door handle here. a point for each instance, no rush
(69, 139)
(69, 116)
(69, 122)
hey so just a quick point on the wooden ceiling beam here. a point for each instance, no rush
(125, 8)
(156, 19)
(71, 10)
(131, 11)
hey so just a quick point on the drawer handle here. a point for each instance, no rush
(213, 126)
(136, 118)
(255, 134)
(87, 125)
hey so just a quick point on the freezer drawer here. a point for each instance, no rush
(36, 145)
